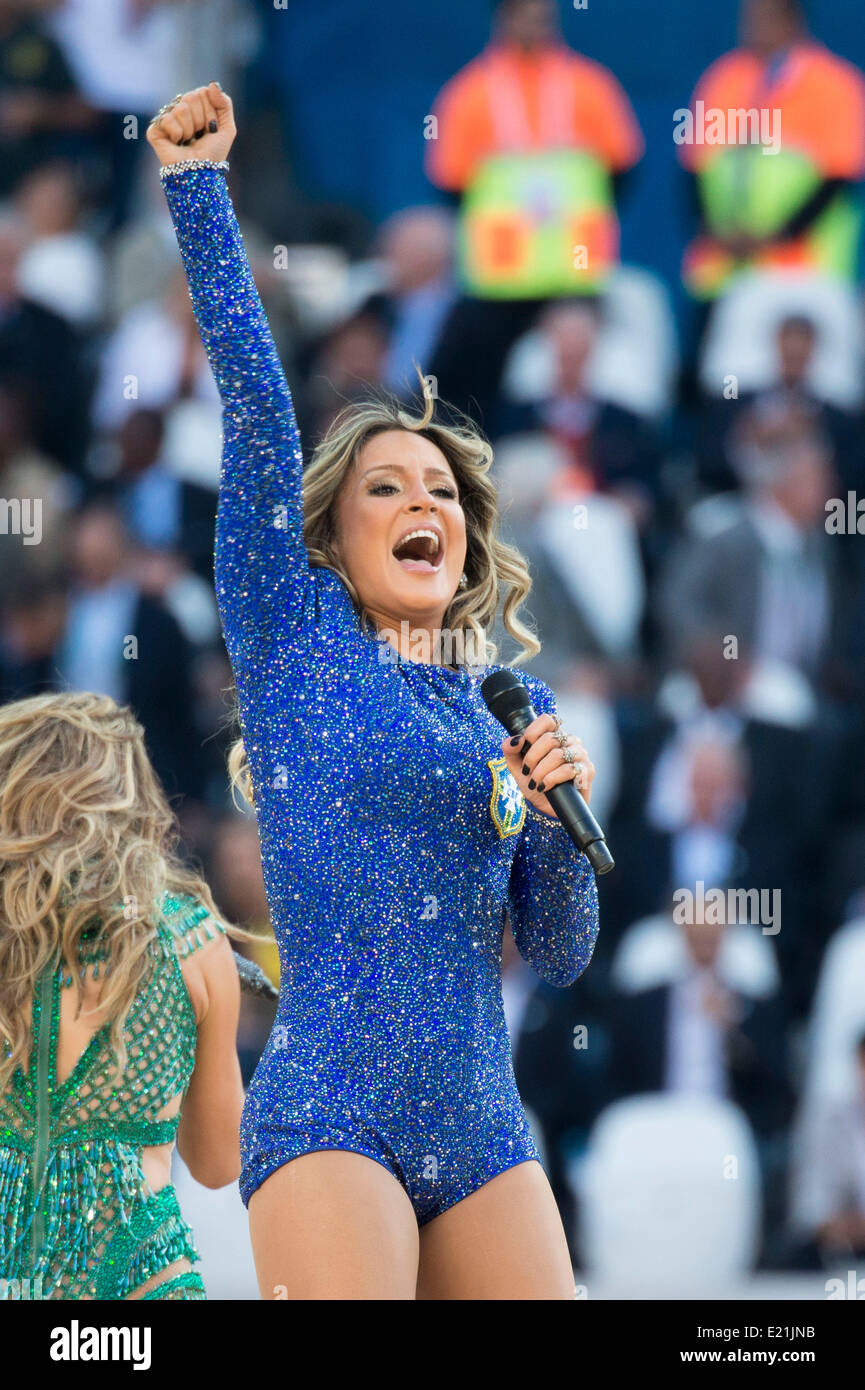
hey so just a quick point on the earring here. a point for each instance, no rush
(464, 580)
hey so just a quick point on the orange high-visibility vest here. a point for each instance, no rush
(531, 140)
(820, 101)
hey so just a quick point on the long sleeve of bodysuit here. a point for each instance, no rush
(269, 597)
(264, 586)
(377, 785)
(553, 894)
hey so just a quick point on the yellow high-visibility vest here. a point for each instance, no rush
(536, 223)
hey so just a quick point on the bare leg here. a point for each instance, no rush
(505, 1241)
(333, 1225)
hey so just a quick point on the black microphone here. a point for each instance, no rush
(508, 700)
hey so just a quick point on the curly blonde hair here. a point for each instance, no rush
(86, 833)
(497, 574)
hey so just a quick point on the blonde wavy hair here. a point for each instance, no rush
(86, 833)
(497, 574)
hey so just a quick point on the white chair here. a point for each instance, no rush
(638, 353)
(66, 274)
(741, 339)
(837, 1017)
(669, 1198)
(192, 447)
(635, 359)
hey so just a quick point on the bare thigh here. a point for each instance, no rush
(505, 1241)
(333, 1225)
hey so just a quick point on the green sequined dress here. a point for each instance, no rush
(78, 1219)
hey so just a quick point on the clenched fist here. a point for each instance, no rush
(199, 126)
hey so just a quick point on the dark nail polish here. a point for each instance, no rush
(531, 785)
(525, 748)
(213, 127)
(540, 786)
(525, 769)
(515, 741)
(199, 133)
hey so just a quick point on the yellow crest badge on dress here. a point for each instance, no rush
(507, 806)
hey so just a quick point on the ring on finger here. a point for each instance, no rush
(169, 106)
(570, 757)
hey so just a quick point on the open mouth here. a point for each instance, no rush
(420, 551)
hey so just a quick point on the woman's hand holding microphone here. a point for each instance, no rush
(543, 757)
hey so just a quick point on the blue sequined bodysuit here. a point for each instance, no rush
(393, 838)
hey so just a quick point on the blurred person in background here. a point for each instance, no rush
(608, 448)
(527, 470)
(794, 208)
(121, 642)
(121, 52)
(845, 823)
(40, 104)
(707, 1034)
(828, 1187)
(33, 616)
(29, 476)
(711, 785)
(42, 357)
(416, 247)
(350, 363)
(161, 509)
(790, 395)
(153, 359)
(114, 956)
(771, 577)
(62, 267)
(530, 137)
(583, 548)
(163, 572)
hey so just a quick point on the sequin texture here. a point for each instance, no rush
(78, 1219)
(386, 874)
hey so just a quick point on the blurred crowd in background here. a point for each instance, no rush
(669, 476)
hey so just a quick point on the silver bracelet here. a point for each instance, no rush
(169, 170)
(535, 813)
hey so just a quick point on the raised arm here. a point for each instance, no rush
(263, 580)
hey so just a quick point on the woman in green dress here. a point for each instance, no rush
(119, 1000)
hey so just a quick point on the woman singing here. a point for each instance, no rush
(385, 1150)
(119, 999)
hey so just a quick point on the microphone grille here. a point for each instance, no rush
(503, 694)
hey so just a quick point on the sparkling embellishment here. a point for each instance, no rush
(77, 1212)
(170, 171)
(386, 877)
